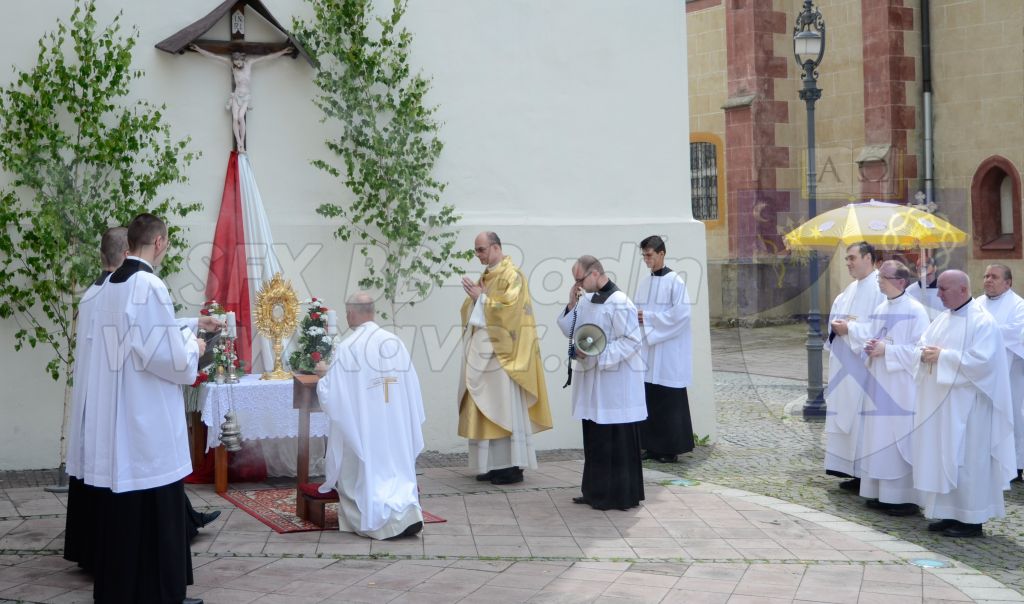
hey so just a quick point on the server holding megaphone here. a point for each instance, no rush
(606, 374)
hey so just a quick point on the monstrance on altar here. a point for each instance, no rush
(277, 313)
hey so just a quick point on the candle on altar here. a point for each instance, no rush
(332, 322)
(231, 325)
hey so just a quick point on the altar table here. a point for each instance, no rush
(263, 409)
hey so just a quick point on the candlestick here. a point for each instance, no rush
(332, 322)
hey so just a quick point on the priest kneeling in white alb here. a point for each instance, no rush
(963, 429)
(371, 394)
(1007, 308)
(890, 340)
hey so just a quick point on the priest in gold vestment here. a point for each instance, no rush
(503, 399)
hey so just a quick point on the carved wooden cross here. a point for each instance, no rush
(236, 52)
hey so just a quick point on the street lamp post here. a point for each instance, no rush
(808, 49)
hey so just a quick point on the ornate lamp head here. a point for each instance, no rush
(809, 37)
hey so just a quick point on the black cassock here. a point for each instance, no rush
(613, 476)
(667, 429)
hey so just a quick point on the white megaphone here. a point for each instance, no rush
(590, 339)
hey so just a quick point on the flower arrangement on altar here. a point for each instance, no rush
(316, 333)
(213, 308)
(225, 361)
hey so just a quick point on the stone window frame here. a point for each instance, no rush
(989, 242)
(715, 141)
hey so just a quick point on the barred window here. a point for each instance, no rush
(704, 181)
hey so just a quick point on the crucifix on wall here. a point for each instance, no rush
(238, 53)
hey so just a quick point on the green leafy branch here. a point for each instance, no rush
(388, 147)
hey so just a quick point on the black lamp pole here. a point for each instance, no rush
(808, 49)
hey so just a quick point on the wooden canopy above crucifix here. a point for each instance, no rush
(179, 42)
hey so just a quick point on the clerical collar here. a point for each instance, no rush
(130, 266)
(103, 277)
(963, 305)
(897, 297)
(661, 272)
(602, 295)
(996, 297)
(142, 260)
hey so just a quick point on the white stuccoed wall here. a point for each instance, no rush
(566, 131)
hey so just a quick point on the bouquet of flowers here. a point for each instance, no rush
(314, 344)
(225, 360)
(212, 308)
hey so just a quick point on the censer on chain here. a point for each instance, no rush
(230, 434)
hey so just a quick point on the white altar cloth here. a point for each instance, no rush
(263, 409)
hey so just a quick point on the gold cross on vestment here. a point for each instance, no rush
(385, 382)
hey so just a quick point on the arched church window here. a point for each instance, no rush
(996, 210)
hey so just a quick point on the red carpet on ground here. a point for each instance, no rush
(276, 509)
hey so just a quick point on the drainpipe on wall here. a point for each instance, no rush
(926, 82)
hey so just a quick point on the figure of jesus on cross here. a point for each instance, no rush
(240, 100)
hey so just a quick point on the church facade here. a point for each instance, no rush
(565, 128)
(748, 133)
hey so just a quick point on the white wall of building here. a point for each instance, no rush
(565, 130)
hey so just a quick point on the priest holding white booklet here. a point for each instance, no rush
(372, 396)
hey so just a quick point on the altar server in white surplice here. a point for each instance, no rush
(963, 428)
(663, 310)
(847, 371)
(136, 451)
(372, 396)
(1007, 308)
(80, 525)
(607, 389)
(890, 340)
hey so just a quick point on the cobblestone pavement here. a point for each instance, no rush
(761, 449)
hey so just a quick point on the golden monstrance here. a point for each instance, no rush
(277, 313)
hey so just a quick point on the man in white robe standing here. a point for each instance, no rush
(372, 396)
(846, 369)
(890, 340)
(80, 525)
(663, 310)
(607, 389)
(1007, 308)
(963, 449)
(137, 452)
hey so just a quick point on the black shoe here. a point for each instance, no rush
(668, 459)
(485, 476)
(902, 509)
(507, 476)
(941, 525)
(852, 485)
(874, 504)
(962, 529)
(192, 601)
(209, 517)
(580, 500)
(412, 529)
(1020, 476)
